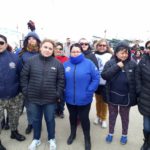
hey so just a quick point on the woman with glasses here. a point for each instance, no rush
(9, 89)
(59, 55)
(103, 54)
(42, 81)
(143, 90)
(82, 78)
(87, 51)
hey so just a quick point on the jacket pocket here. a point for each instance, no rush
(119, 99)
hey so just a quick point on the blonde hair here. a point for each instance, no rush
(109, 49)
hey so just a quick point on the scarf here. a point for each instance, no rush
(77, 59)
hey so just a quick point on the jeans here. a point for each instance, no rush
(29, 115)
(37, 112)
(146, 123)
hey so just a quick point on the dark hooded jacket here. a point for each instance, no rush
(121, 79)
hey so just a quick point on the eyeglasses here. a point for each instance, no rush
(75, 52)
(148, 48)
(84, 44)
(2, 42)
(59, 49)
(100, 45)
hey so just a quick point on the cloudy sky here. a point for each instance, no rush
(58, 19)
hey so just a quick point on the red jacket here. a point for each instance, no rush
(62, 59)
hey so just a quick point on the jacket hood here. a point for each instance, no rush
(32, 34)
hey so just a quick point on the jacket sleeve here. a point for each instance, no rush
(109, 70)
(60, 81)
(95, 77)
(138, 79)
(25, 74)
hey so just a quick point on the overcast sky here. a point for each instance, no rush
(58, 19)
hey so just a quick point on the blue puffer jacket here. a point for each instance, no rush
(82, 79)
(9, 75)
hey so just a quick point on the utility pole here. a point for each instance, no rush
(105, 32)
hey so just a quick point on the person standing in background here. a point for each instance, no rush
(59, 55)
(103, 54)
(87, 51)
(67, 47)
(30, 48)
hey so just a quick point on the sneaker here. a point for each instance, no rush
(104, 124)
(109, 138)
(97, 120)
(34, 144)
(52, 143)
(61, 115)
(123, 140)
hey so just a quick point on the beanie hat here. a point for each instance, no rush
(121, 45)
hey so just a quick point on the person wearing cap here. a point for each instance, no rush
(59, 55)
(31, 45)
(9, 89)
(143, 91)
(119, 73)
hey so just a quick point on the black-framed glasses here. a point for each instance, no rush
(59, 49)
(102, 45)
(84, 44)
(2, 42)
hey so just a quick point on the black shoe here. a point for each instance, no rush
(87, 144)
(16, 135)
(6, 127)
(2, 147)
(61, 115)
(3, 123)
(71, 139)
(29, 129)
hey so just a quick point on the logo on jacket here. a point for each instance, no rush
(12, 65)
(67, 69)
(53, 68)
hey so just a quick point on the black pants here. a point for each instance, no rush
(83, 113)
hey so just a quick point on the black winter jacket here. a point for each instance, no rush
(143, 85)
(110, 71)
(42, 80)
(89, 55)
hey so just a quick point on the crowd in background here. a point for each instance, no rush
(44, 76)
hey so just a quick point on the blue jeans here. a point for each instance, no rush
(146, 123)
(37, 112)
(29, 114)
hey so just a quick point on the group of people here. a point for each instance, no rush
(40, 77)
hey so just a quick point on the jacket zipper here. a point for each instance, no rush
(74, 83)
